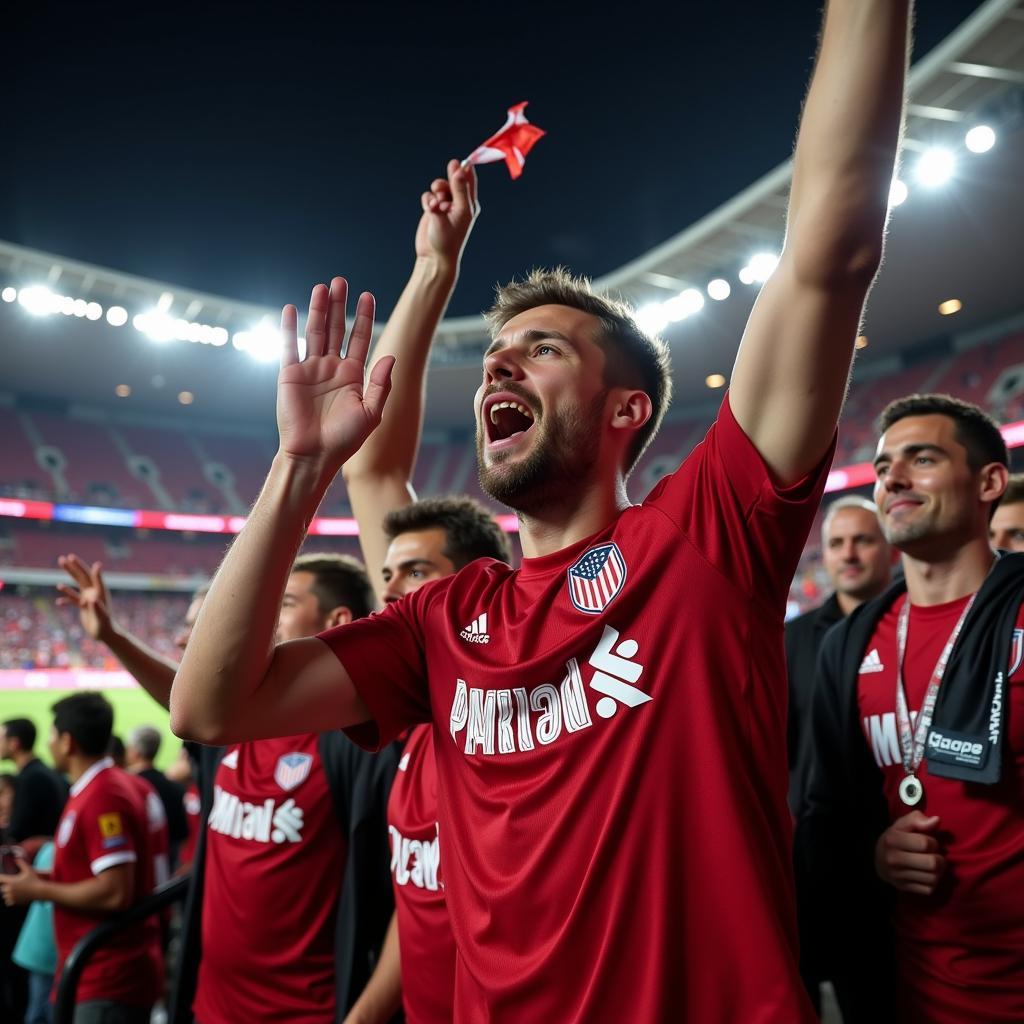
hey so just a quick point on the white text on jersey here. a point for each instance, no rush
(415, 861)
(266, 822)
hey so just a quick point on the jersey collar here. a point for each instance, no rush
(90, 773)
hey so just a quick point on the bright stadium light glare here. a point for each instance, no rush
(93, 311)
(683, 305)
(79, 307)
(980, 139)
(935, 167)
(66, 305)
(760, 267)
(9, 294)
(746, 275)
(719, 289)
(652, 317)
(262, 342)
(157, 326)
(38, 300)
(218, 336)
(898, 193)
(117, 316)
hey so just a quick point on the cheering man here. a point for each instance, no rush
(614, 711)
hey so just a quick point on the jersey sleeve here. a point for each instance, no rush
(107, 834)
(385, 656)
(725, 501)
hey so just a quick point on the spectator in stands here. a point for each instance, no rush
(1006, 531)
(116, 752)
(181, 772)
(8, 786)
(41, 792)
(299, 951)
(917, 820)
(140, 752)
(102, 865)
(858, 561)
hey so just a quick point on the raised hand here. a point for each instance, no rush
(324, 409)
(89, 596)
(450, 209)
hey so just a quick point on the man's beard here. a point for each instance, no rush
(561, 457)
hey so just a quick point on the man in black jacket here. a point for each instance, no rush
(41, 793)
(911, 825)
(140, 752)
(858, 561)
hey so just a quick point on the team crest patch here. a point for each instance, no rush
(112, 831)
(596, 578)
(1016, 652)
(66, 827)
(292, 770)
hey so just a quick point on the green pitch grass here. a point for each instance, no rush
(131, 708)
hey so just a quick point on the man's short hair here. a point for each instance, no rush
(848, 501)
(975, 429)
(339, 581)
(23, 730)
(633, 358)
(88, 718)
(469, 529)
(1014, 493)
(146, 740)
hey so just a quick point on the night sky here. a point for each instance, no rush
(252, 149)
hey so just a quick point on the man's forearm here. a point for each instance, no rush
(849, 132)
(382, 996)
(152, 672)
(232, 643)
(92, 895)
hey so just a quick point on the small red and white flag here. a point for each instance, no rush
(511, 144)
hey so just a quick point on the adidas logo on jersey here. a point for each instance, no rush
(476, 631)
(268, 822)
(509, 720)
(871, 663)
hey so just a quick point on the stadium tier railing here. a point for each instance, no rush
(67, 989)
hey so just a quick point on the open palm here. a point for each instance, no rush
(325, 410)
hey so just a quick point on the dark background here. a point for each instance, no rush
(252, 149)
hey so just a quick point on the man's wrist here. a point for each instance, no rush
(435, 271)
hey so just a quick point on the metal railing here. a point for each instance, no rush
(67, 989)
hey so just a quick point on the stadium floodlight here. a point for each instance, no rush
(935, 167)
(714, 380)
(65, 304)
(38, 300)
(980, 139)
(262, 342)
(79, 307)
(719, 289)
(117, 316)
(683, 305)
(156, 326)
(9, 294)
(652, 317)
(93, 311)
(218, 336)
(759, 268)
(898, 193)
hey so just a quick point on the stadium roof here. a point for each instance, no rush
(961, 241)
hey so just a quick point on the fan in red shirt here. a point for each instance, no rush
(103, 863)
(609, 721)
(935, 676)
(180, 771)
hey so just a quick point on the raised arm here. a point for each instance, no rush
(791, 372)
(379, 475)
(152, 671)
(233, 682)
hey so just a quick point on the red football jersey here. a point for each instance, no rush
(424, 932)
(609, 724)
(159, 835)
(961, 950)
(275, 861)
(104, 824)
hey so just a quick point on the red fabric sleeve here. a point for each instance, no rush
(385, 656)
(107, 834)
(725, 501)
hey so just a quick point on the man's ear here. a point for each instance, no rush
(630, 409)
(338, 616)
(992, 481)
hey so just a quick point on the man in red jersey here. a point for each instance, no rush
(414, 542)
(103, 863)
(261, 942)
(919, 732)
(618, 713)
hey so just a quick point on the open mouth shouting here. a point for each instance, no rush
(508, 421)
